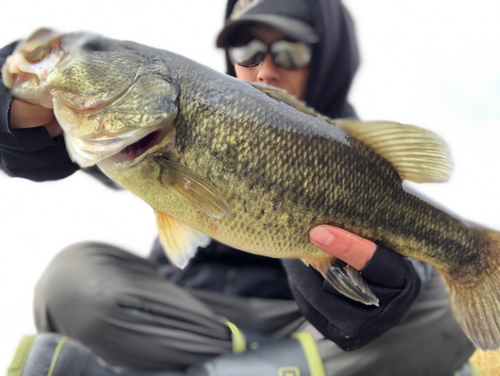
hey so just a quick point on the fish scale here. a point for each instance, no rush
(329, 196)
(253, 167)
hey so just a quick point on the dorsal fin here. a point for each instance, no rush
(417, 154)
(282, 95)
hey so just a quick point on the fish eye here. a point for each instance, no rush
(95, 46)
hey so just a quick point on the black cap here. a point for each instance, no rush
(292, 17)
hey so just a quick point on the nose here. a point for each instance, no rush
(268, 72)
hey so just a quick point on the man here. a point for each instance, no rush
(253, 39)
(134, 317)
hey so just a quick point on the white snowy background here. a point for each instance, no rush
(431, 63)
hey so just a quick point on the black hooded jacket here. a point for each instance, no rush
(31, 154)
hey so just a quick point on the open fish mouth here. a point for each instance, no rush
(98, 129)
(88, 148)
(135, 150)
(26, 70)
(124, 147)
(118, 125)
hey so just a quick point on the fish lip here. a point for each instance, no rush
(148, 151)
(82, 150)
(87, 152)
(26, 78)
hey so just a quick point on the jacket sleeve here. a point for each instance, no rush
(350, 324)
(29, 153)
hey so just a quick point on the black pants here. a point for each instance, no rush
(119, 306)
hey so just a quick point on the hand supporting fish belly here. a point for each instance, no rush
(254, 168)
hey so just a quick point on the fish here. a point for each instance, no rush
(255, 168)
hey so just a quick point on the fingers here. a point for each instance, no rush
(27, 115)
(53, 128)
(350, 248)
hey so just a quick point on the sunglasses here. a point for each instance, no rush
(285, 54)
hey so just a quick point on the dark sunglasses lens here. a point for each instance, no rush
(249, 55)
(252, 61)
(291, 55)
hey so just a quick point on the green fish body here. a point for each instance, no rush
(252, 167)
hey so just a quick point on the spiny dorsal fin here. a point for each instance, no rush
(180, 242)
(417, 154)
(281, 95)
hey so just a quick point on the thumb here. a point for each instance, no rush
(352, 249)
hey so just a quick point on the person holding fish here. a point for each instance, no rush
(392, 318)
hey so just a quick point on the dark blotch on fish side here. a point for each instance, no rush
(97, 46)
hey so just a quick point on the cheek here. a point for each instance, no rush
(247, 74)
(300, 82)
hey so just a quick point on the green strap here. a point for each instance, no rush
(312, 353)
(17, 364)
(473, 368)
(237, 337)
(58, 349)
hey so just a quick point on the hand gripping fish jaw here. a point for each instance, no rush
(100, 116)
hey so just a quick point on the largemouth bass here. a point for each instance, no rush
(254, 168)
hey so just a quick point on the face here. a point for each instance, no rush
(292, 80)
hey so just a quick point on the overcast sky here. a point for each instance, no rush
(430, 63)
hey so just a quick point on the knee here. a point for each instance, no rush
(80, 288)
(75, 272)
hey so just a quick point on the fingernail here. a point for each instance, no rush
(320, 235)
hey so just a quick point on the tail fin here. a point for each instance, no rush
(475, 299)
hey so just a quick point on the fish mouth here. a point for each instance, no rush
(27, 68)
(134, 153)
(88, 152)
(136, 149)
(126, 148)
(131, 153)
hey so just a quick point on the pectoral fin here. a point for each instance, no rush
(194, 189)
(345, 279)
(180, 242)
(417, 154)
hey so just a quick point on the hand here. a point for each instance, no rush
(29, 146)
(352, 249)
(27, 115)
(348, 323)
